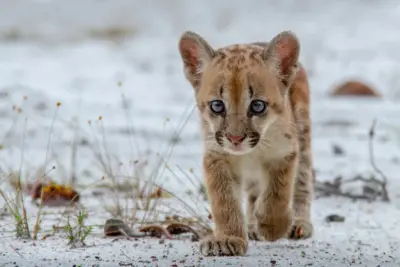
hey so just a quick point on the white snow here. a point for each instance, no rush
(46, 54)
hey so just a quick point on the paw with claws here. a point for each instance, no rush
(254, 233)
(276, 226)
(301, 229)
(223, 246)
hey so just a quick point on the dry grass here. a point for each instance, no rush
(139, 196)
(133, 190)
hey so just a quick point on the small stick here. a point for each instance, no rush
(383, 183)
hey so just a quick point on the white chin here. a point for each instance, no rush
(238, 151)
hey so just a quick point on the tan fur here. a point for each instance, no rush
(272, 162)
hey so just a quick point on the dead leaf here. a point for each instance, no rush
(160, 193)
(155, 231)
(53, 194)
(355, 88)
(180, 228)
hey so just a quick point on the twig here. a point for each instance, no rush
(385, 195)
(16, 251)
(335, 187)
(21, 195)
(129, 258)
(36, 226)
(329, 189)
(74, 150)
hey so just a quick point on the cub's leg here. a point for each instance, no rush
(252, 226)
(273, 207)
(303, 193)
(224, 191)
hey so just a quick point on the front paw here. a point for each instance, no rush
(275, 226)
(254, 233)
(301, 229)
(223, 246)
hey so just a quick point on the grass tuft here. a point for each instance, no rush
(78, 233)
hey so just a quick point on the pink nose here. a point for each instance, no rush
(235, 139)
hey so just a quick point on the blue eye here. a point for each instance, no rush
(217, 106)
(258, 106)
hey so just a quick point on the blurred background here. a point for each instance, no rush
(115, 70)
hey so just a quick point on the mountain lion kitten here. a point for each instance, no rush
(254, 104)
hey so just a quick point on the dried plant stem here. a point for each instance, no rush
(152, 180)
(128, 117)
(36, 227)
(385, 194)
(74, 153)
(21, 195)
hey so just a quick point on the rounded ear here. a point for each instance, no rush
(284, 49)
(195, 53)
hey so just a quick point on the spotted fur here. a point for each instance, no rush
(272, 160)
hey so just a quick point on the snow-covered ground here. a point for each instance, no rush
(51, 51)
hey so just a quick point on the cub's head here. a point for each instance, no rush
(241, 90)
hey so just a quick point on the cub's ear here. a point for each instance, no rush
(195, 53)
(284, 49)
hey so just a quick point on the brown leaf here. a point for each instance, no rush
(355, 88)
(53, 194)
(160, 193)
(180, 228)
(155, 231)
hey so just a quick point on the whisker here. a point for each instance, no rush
(265, 142)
